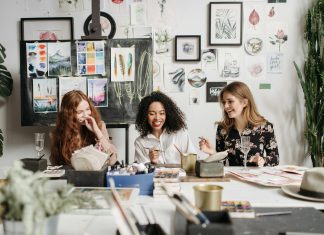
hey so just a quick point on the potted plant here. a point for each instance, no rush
(312, 82)
(30, 206)
(6, 84)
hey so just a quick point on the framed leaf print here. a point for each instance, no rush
(225, 23)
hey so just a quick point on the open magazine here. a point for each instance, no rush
(88, 159)
(270, 176)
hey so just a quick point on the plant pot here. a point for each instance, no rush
(12, 227)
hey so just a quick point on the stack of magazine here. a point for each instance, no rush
(170, 178)
(88, 159)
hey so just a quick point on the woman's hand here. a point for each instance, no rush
(154, 155)
(91, 124)
(206, 146)
(258, 160)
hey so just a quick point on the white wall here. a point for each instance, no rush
(282, 105)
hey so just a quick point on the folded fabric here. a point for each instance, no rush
(216, 157)
(88, 159)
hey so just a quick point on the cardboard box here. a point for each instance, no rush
(142, 181)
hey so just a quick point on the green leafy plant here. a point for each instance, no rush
(6, 84)
(27, 197)
(312, 82)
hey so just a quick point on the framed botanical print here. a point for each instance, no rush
(225, 23)
(187, 48)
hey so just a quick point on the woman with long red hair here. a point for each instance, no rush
(78, 124)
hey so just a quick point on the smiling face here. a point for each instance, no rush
(156, 117)
(83, 111)
(233, 106)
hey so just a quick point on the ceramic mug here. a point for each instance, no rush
(208, 197)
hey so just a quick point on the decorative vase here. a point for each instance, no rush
(12, 227)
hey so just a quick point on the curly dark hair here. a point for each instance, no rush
(175, 118)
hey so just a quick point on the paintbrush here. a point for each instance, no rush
(178, 149)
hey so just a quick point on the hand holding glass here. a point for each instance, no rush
(39, 143)
(245, 147)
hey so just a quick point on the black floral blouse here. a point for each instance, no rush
(262, 139)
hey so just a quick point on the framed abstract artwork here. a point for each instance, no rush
(225, 23)
(46, 28)
(187, 48)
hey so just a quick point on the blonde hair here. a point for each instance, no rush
(250, 113)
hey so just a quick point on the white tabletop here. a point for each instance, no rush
(164, 211)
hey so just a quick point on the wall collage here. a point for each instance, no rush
(245, 39)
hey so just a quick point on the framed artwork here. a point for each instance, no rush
(187, 48)
(213, 90)
(46, 28)
(107, 22)
(225, 23)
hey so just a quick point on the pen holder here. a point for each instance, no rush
(34, 164)
(149, 229)
(220, 223)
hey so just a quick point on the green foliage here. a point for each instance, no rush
(312, 82)
(28, 197)
(6, 85)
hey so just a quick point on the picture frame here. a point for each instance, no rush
(46, 29)
(187, 47)
(225, 23)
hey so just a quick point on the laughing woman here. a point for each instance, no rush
(162, 129)
(78, 124)
(241, 118)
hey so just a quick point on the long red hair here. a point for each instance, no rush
(69, 135)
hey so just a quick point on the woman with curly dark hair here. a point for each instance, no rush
(78, 124)
(162, 129)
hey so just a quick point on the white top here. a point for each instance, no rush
(169, 153)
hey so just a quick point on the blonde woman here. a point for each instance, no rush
(241, 118)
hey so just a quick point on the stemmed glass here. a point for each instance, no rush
(245, 148)
(39, 143)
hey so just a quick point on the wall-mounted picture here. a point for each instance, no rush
(213, 90)
(44, 95)
(98, 91)
(225, 23)
(67, 84)
(122, 64)
(174, 78)
(59, 59)
(36, 56)
(90, 57)
(46, 28)
(187, 48)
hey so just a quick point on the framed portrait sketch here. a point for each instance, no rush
(187, 48)
(225, 23)
(46, 28)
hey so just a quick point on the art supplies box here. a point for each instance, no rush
(142, 181)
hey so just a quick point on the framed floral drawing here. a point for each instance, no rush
(46, 28)
(187, 48)
(225, 23)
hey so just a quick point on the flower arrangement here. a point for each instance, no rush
(280, 38)
(27, 197)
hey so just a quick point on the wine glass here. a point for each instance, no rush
(245, 148)
(39, 143)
